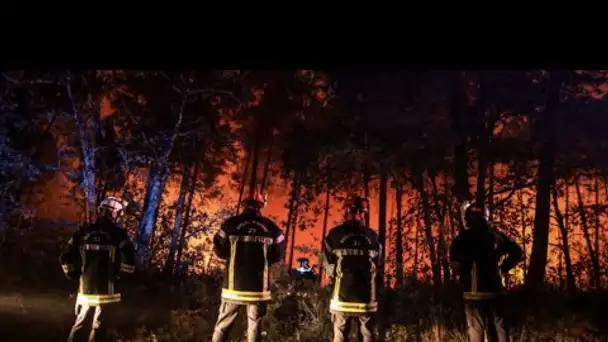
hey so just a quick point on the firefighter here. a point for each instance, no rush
(304, 277)
(96, 254)
(352, 250)
(475, 255)
(250, 243)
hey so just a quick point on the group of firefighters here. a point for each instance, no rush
(250, 243)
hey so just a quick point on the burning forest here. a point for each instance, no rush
(182, 153)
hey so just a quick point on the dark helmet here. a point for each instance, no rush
(471, 211)
(257, 201)
(357, 205)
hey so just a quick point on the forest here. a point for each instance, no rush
(183, 148)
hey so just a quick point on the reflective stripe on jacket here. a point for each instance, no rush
(250, 243)
(354, 250)
(96, 254)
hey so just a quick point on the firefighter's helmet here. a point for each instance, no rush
(257, 200)
(113, 204)
(469, 209)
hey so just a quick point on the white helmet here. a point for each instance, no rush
(465, 206)
(114, 204)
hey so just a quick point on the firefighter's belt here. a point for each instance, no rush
(348, 307)
(96, 299)
(246, 296)
(480, 295)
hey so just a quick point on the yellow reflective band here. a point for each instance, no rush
(480, 295)
(336, 305)
(252, 238)
(94, 299)
(68, 268)
(127, 268)
(231, 264)
(246, 296)
(338, 278)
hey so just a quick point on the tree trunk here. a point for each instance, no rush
(188, 212)
(547, 126)
(267, 165)
(295, 185)
(570, 282)
(595, 276)
(87, 148)
(243, 180)
(324, 232)
(524, 226)
(442, 247)
(428, 227)
(156, 186)
(382, 226)
(461, 179)
(366, 179)
(294, 226)
(183, 190)
(382, 240)
(597, 230)
(399, 236)
(254, 167)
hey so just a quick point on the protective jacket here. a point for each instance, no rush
(352, 250)
(476, 254)
(96, 254)
(250, 243)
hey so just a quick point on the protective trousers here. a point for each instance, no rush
(486, 315)
(342, 323)
(91, 323)
(227, 315)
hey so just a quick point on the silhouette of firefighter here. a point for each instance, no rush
(250, 243)
(352, 250)
(475, 255)
(97, 253)
(304, 277)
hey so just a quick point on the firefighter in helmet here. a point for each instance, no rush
(475, 255)
(96, 254)
(352, 250)
(250, 243)
(304, 276)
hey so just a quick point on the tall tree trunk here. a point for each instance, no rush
(458, 106)
(295, 185)
(87, 148)
(597, 229)
(547, 124)
(294, 227)
(428, 227)
(267, 165)
(366, 180)
(188, 213)
(254, 166)
(156, 186)
(442, 247)
(524, 226)
(416, 241)
(570, 282)
(382, 240)
(179, 209)
(324, 232)
(595, 276)
(244, 180)
(490, 199)
(399, 236)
